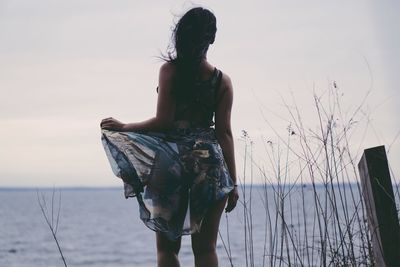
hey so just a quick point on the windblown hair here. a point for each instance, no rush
(191, 37)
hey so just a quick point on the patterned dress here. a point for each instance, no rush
(175, 175)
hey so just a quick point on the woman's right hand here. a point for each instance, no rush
(112, 124)
(233, 197)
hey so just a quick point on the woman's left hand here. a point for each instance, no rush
(112, 124)
(233, 197)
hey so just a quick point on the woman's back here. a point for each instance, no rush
(197, 106)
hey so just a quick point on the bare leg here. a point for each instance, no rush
(204, 243)
(167, 251)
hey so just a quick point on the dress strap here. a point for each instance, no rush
(216, 85)
(218, 78)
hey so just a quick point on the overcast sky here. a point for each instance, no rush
(65, 65)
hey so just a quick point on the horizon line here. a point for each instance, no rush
(83, 187)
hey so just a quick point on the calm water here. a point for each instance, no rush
(99, 227)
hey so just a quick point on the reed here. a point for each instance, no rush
(318, 166)
(52, 219)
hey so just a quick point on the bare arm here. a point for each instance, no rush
(223, 124)
(165, 108)
(224, 133)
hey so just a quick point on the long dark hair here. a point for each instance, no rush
(191, 37)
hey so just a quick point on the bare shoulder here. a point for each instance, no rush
(166, 77)
(167, 69)
(226, 84)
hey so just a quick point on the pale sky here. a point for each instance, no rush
(65, 65)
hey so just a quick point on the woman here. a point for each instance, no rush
(180, 169)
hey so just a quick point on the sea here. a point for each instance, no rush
(99, 227)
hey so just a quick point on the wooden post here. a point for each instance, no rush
(380, 204)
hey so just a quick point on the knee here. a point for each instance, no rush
(203, 249)
(168, 247)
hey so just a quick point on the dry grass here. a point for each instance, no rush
(328, 226)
